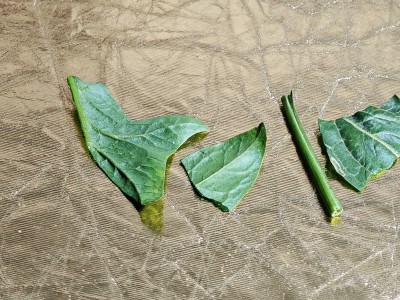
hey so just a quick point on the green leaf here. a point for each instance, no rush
(225, 172)
(132, 153)
(365, 144)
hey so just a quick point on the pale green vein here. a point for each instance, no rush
(229, 164)
(372, 136)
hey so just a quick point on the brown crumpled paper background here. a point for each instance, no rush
(68, 233)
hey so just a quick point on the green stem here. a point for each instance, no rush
(332, 204)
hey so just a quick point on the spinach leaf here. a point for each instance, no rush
(132, 153)
(365, 144)
(225, 172)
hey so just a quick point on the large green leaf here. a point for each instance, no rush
(133, 153)
(225, 172)
(365, 144)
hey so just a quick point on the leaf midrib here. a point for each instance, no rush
(256, 138)
(356, 126)
(130, 122)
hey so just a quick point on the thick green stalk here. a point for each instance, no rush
(332, 204)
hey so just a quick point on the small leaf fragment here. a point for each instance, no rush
(132, 153)
(364, 145)
(224, 173)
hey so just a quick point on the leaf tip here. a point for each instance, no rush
(71, 79)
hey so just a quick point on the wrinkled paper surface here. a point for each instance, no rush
(67, 232)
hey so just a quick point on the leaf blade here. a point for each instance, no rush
(225, 172)
(364, 145)
(132, 153)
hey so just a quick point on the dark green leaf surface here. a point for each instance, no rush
(133, 153)
(225, 172)
(365, 144)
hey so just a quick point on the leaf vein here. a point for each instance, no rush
(372, 136)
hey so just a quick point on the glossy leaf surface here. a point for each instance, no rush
(133, 153)
(225, 172)
(365, 144)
